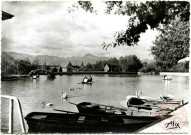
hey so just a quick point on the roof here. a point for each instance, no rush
(184, 59)
(6, 15)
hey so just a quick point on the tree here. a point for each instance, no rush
(8, 64)
(113, 61)
(24, 66)
(89, 67)
(171, 45)
(181, 67)
(35, 65)
(130, 63)
(54, 69)
(149, 67)
(142, 15)
(99, 66)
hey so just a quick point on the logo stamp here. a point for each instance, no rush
(172, 118)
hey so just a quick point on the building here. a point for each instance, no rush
(112, 68)
(106, 68)
(68, 67)
(82, 67)
(6, 15)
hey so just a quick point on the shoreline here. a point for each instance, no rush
(175, 73)
(71, 73)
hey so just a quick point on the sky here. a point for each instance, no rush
(47, 28)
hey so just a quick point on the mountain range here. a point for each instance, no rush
(54, 60)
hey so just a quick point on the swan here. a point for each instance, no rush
(138, 93)
(64, 95)
(46, 105)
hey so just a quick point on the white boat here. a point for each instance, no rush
(165, 103)
(168, 78)
(35, 77)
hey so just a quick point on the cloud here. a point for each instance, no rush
(47, 28)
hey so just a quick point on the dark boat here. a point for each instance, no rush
(87, 80)
(86, 83)
(98, 109)
(70, 122)
(51, 77)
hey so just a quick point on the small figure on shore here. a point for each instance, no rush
(165, 76)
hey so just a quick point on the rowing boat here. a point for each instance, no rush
(152, 105)
(71, 122)
(99, 109)
(89, 83)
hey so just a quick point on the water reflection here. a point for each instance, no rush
(167, 84)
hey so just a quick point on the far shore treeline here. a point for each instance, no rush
(129, 63)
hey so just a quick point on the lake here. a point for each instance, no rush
(106, 89)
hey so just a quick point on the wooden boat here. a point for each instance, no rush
(134, 106)
(86, 83)
(51, 77)
(70, 122)
(152, 105)
(99, 109)
(167, 78)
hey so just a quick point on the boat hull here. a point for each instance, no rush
(39, 122)
(97, 109)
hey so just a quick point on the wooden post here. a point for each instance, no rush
(10, 116)
(21, 116)
(11, 113)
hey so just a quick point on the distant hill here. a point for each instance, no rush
(54, 60)
(147, 60)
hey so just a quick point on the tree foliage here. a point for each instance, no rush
(142, 15)
(149, 67)
(89, 67)
(127, 64)
(130, 63)
(181, 67)
(11, 66)
(171, 45)
(99, 65)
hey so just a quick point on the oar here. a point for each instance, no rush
(64, 111)
(72, 103)
(142, 107)
(181, 105)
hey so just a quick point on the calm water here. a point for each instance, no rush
(106, 89)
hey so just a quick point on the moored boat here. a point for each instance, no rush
(134, 106)
(70, 122)
(99, 109)
(165, 104)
